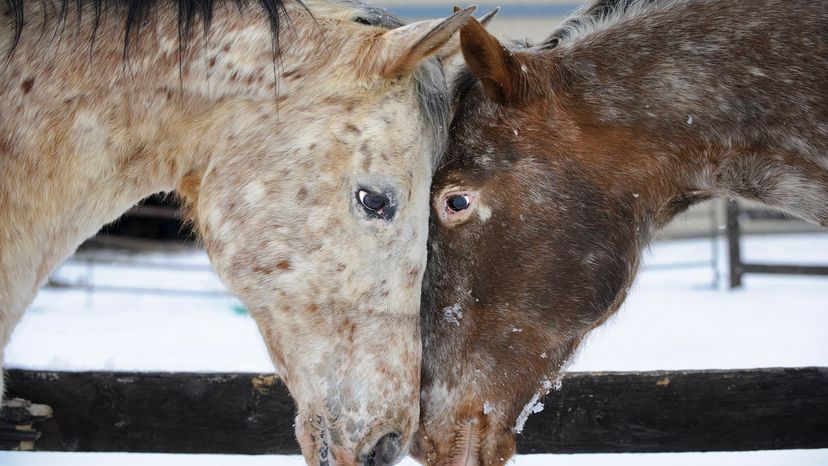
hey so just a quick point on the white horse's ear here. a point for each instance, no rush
(452, 48)
(401, 50)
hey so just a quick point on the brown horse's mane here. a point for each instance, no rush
(600, 11)
(584, 18)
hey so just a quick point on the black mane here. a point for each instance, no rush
(134, 13)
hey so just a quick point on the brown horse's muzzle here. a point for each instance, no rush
(475, 441)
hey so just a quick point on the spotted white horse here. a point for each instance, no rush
(302, 138)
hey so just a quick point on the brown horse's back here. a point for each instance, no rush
(737, 72)
(741, 81)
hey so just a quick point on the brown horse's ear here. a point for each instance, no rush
(452, 47)
(497, 68)
(402, 49)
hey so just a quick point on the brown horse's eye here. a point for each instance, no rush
(457, 203)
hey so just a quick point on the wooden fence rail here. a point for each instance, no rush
(669, 411)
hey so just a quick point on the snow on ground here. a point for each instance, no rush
(675, 318)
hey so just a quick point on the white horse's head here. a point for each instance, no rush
(316, 216)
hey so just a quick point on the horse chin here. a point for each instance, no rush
(471, 443)
(313, 439)
(332, 439)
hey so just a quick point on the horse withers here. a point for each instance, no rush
(563, 160)
(302, 137)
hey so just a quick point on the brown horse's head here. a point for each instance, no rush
(519, 237)
(565, 157)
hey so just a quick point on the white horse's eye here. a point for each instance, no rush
(377, 205)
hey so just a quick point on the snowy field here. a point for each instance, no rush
(675, 318)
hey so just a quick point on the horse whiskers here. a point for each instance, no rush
(466, 444)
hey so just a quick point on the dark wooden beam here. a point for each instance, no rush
(593, 412)
(782, 269)
(19, 423)
(159, 412)
(734, 410)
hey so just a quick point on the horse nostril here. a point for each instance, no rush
(386, 451)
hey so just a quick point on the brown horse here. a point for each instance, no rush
(301, 134)
(563, 160)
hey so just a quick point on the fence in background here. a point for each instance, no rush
(156, 223)
(738, 268)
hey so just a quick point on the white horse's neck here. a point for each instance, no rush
(83, 136)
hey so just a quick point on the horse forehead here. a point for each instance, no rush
(393, 105)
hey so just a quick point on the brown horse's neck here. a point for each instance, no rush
(638, 170)
(676, 108)
(663, 170)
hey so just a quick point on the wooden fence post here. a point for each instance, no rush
(733, 246)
